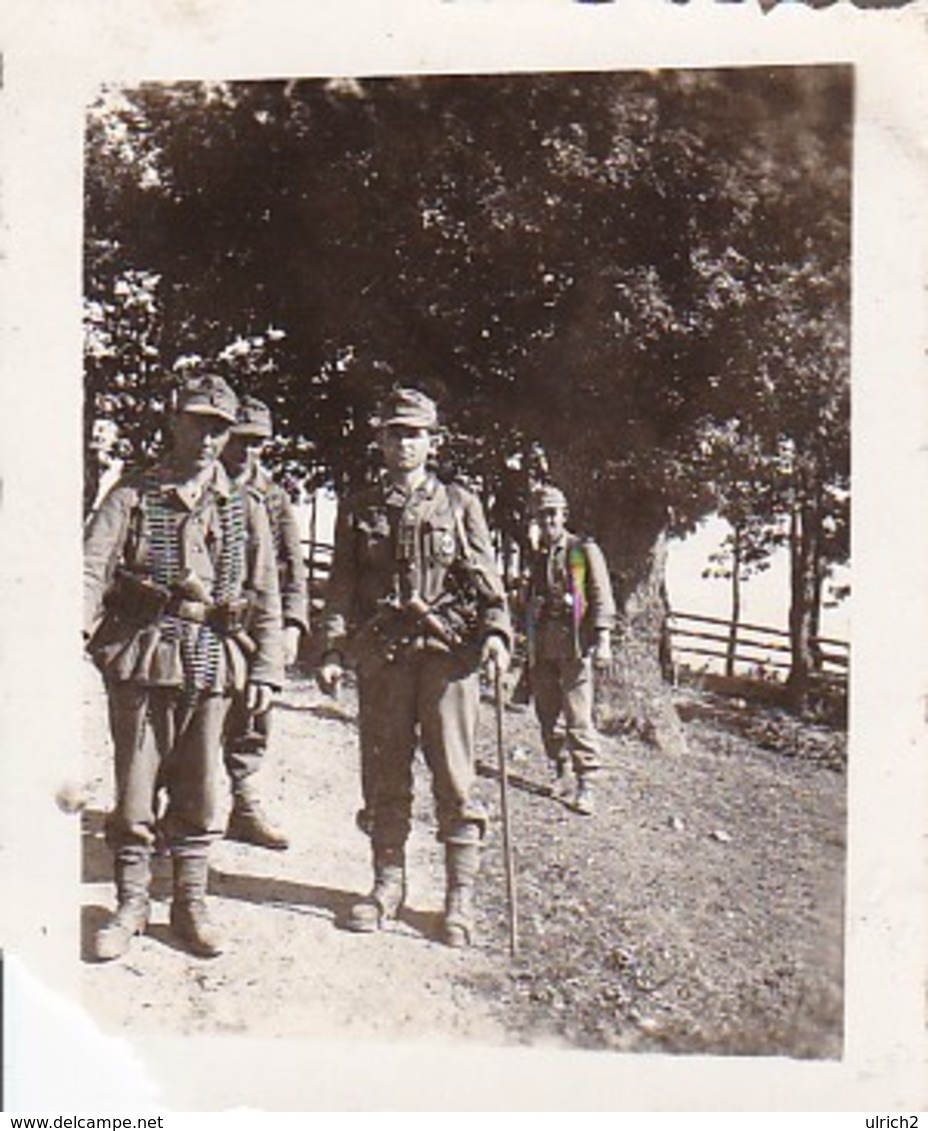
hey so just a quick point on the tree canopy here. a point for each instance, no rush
(619, 257)
(635, 279)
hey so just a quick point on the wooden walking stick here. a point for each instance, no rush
(504, 806)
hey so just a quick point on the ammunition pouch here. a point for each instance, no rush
(453, 625)
(229, 618)
(377, 636)
(557, 606)
(139, 601)
(136, 599)
(448, 625)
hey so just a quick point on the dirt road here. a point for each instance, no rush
(699, 911)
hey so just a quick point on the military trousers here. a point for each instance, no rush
(419, 698)
(164, 740)
(245, 739)
(564, 685)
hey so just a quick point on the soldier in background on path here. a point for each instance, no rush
(181, 609)
(570, 614)
(247, 734)
(416, 604)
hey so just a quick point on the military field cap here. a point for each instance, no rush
(410, 407)
(208, 395)
(547, 498)
(254, 419)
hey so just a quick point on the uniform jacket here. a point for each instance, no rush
(387, 544)
(291, 565)
(569, 598)
(148, 524)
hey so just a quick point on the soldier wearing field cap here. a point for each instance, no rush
(570, 614)
(182, 609)
(247, 734)
(415, 603)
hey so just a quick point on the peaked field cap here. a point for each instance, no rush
(209, 395)
(254, 419)
(547, 497)
(408, 406)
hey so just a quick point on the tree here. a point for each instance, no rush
(586, 269)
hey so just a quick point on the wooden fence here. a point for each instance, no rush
(753, 650)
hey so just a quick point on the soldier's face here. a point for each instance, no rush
(240, 451)
(552, 522)
(405, 448)
(199, 439)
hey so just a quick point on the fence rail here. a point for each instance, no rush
(751, 649)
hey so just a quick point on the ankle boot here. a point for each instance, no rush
(189, 918)
(462, 862)
(133, 879)
(248, 822)
(584, 800)
(562, 785)
(388, 894)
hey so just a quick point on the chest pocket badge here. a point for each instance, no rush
(443, 546)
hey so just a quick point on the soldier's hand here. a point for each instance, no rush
(495, 654)
(291, 644)
(602, 653)
(329, 677)
(258, 697)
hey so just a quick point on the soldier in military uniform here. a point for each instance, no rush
(247, 734)
(415, 603)
(182, 608)
(570, 614)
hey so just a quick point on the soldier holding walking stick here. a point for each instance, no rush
(415, 603)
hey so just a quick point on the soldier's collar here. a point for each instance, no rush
(561, 544)
(395, 495)
(254, 475)
(216, 483)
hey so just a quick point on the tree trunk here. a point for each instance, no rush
(804, 544)
(631, 531)
(732, 647)
(815, 622)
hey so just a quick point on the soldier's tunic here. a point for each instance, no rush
(387, 547)
(169, 678)
(246, 737)
(569, 599)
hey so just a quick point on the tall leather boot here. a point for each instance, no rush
(133, 879)
(462, 863)
(190, 919)
(248, 822)
(387, 895)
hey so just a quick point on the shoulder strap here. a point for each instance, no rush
(577, 566)
(456, 503)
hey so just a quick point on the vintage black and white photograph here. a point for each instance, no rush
(465, 615)
(466, 558)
